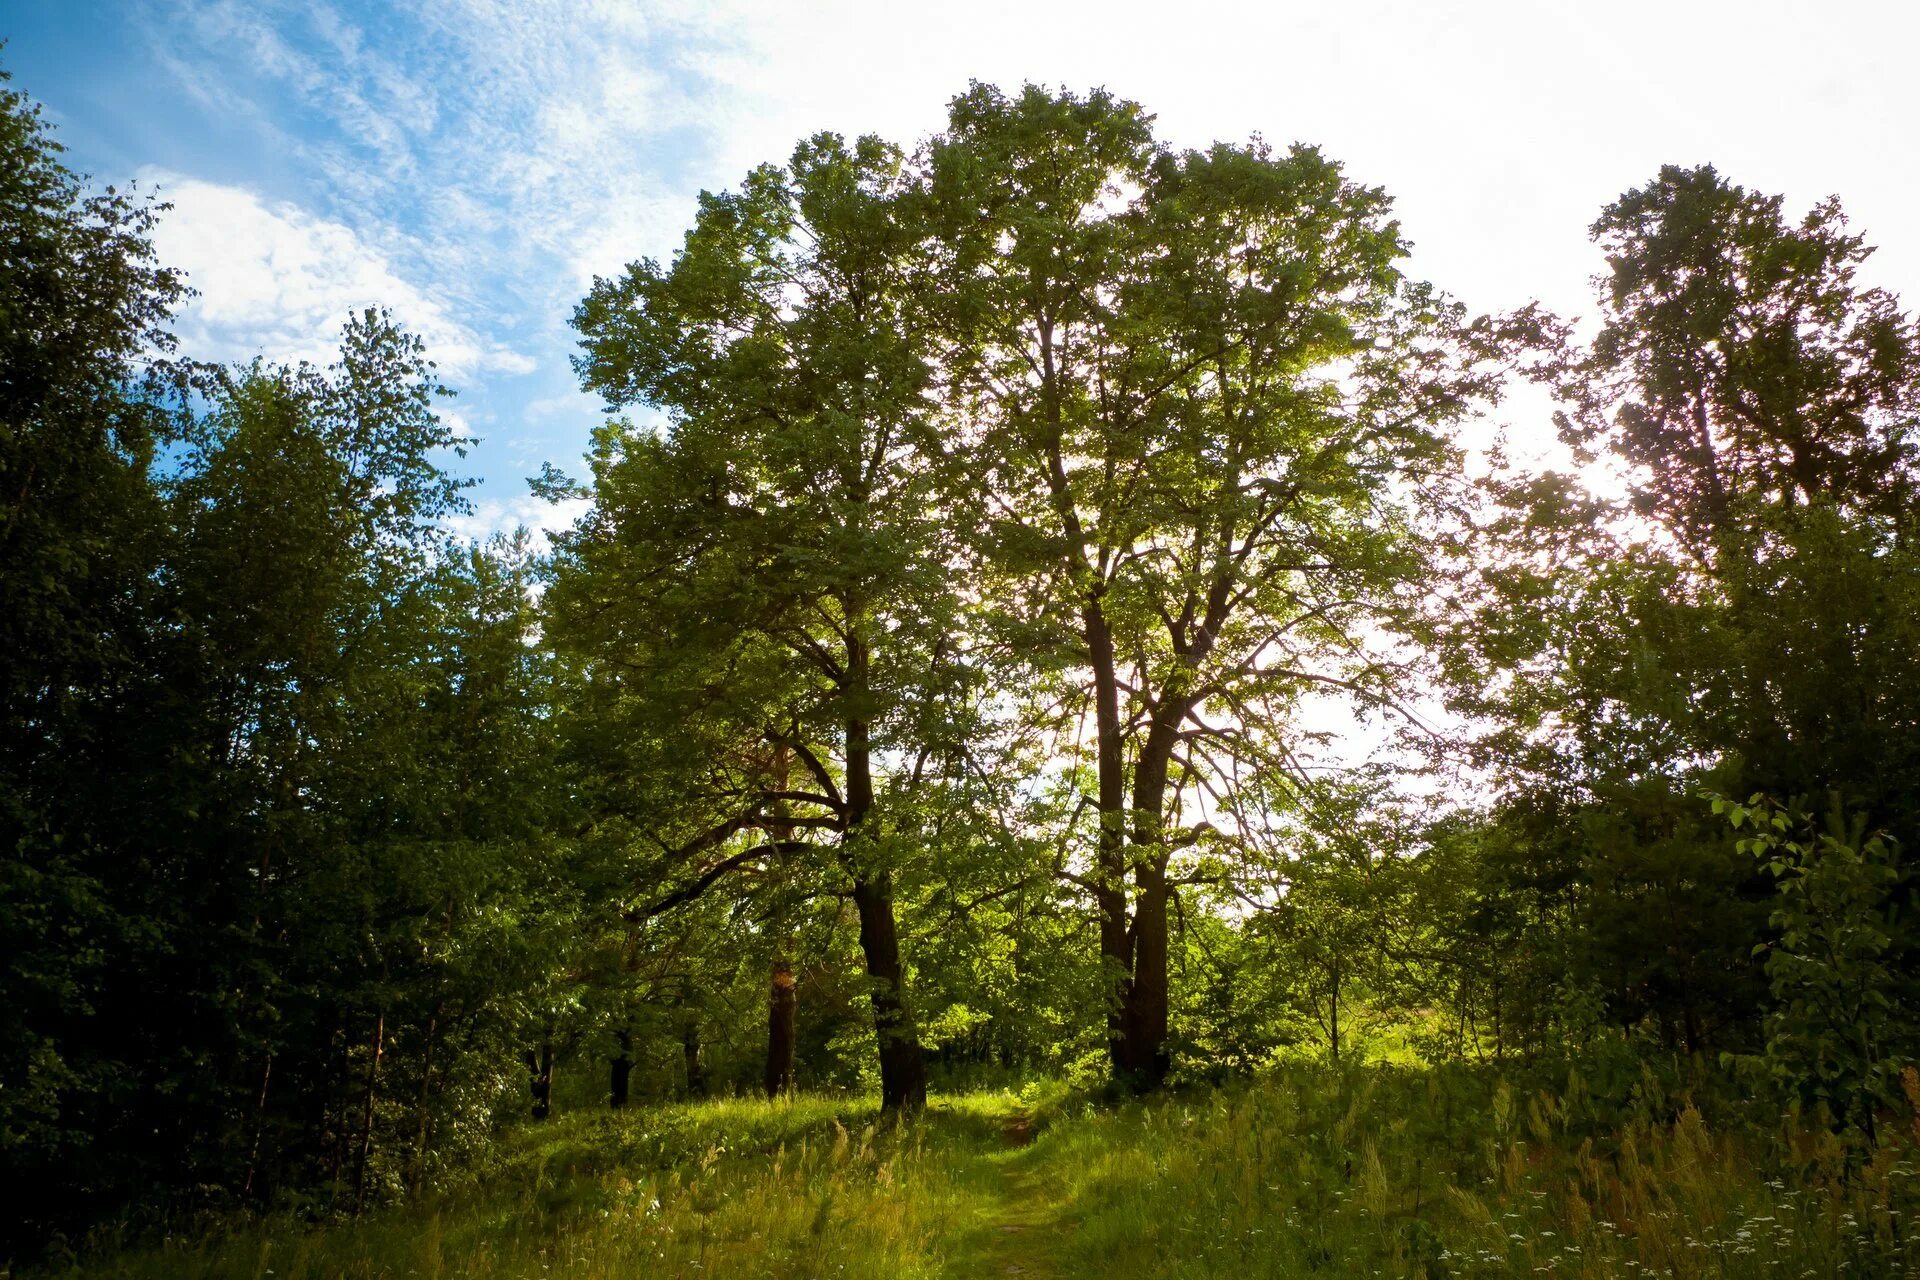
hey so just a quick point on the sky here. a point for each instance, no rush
(474, 164)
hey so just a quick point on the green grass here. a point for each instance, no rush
(1389, 1172)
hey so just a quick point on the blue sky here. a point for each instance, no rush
(474, 163)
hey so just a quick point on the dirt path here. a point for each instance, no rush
(1022, 1220)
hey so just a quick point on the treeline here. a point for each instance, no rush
(276, 777)
(931, 688)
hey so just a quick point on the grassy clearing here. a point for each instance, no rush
(1388, 1172)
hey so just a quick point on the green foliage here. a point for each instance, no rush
(276, 782)
(83, 310)
(1742, 622)
(1836, 1037)
(790, 529)
(1209, 415)
(1743, 366)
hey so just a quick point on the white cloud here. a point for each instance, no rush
(275, 280)
(457, 424)
(503, 515)
(1501, 126)
(573, 404)
(476, 162)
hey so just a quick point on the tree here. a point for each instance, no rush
(373, 765)
(1744, 619)
(1739, 366)
(86, 404)
(771, 573)
(1835, 1036)
(1207, 410)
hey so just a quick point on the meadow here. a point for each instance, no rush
(1380, 1171)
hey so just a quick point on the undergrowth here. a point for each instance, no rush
(1380, 1172)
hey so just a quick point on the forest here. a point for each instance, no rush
(1092, 725)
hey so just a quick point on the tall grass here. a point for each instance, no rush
(1383, 1172)
(1426, 1174)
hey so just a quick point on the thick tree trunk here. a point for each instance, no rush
(1110, 863)
(903, 1067)
(1144, 1056)
(620, 1070)
(690, 1051)
(1147, 994)
(780, 1007)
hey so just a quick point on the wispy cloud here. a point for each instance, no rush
(492, 515)
(476, 162)
(272, 279)
(482, 139)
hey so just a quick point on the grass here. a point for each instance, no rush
(1386, 1172)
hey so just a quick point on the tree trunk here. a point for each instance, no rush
(259, 1125)
(690, 1050)
(1147, 994)
(780, 1007)
(540, 1078)
(1333, 1012)
(620, 1075)
(782, 997)
(366, 1117)
(1690, 1023)
(903, 1067)
(1110, 863)
(1144, 1054)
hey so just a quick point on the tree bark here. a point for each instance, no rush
(690, 1051)
(1110, 864)
(366, 1117)
(1144, 1057)
(903, 1067)
(620, 1070)
(782, 996)
(1147, 994)
(780, 1007)
(1333, 1011)
(540, 1078)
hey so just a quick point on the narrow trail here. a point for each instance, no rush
(1022, 1220)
